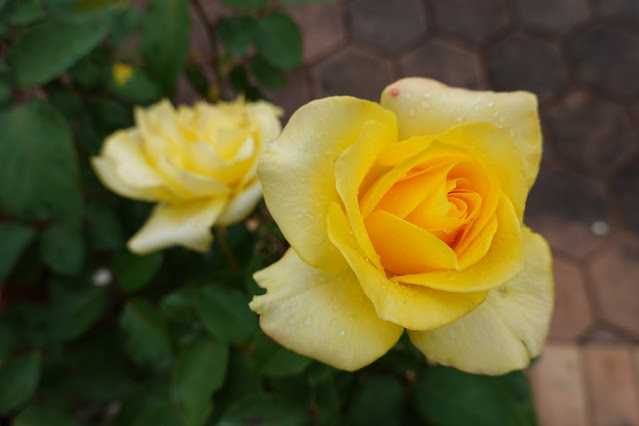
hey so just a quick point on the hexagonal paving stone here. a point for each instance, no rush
(389, 25)
(444, 62)
(607, 58)
(573, 315)
(522, 62)
(296, 94)
(563, 206)
(552, 16)
(592, 132)
(614, 272)
(625, 188)
(621, 11)
(353, 72)
(322, 26)
(471, 19)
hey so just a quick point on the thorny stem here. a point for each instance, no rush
(211, 29)
(223, 239)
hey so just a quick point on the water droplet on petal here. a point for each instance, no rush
(342, 332)
(411, 112)
(427, 95)
(425, 104)
(332, 322)
(459, 119)
(490, 104)
(308, 321)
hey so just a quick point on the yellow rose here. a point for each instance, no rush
(408, 216)
(199, 163)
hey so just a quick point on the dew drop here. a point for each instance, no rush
(411, 112)
(459, 119)
(512, 132)
(425, 104)
(490, 104)
(342, 332)
(427, 95)
(332, 322)
(334, 308)
(502, 119)
(308, 321)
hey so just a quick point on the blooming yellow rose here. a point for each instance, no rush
(198, 163)
(408, 215)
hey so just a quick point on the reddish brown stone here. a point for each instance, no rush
(614, 271)
(322, 26)
(445, 62)
(552, 16)
(558, 387)
(625, 187)
(471, 19)
(593, 133)
(573, 315)
(624, 12)
(611, 385)
(388, 25)
(353, 72)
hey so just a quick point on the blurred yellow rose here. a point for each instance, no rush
(408, 216)
(198, 163)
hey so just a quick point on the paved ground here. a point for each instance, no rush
(581, 57)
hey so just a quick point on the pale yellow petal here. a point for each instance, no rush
(503, 260)
(321, 315)
(413, 307)
(265, 116)
(241, 205)
(297, 177)
(351, 167)
(124, 169)
(427, 107)
(186, 224)
(505, 331)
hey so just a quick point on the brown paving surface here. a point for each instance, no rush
(581, 57)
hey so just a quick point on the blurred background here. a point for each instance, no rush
(581, 58)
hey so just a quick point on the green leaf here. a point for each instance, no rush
(26, 12)
(165, 40)
(14, 238)
(73, 312)
(137, 87)
(149, 405)
(444, 395)
(237, 33)
(62, 249)
(179, 305)
(38, 166)
(19, 378)
(279, 40)
(103, 228)
(7, 341)
(239, 79)
(287, 2)
(275, 360)
(378, 401)
(267, 74)
(147, 339)
(245, 4)
(132, 272)
(265, 410)
(225, 313)
(198, 80)
(37, 56)
(34, 415)
(198, 372)
(516, 383)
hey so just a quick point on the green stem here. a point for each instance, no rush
(212, 33)
(223, 239)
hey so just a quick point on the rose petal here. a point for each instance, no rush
(503, 260)
(505, 331)
(303, 157)
(185, 224)
(123, 168)
(427, 107)
(324, 316)
(412, 307)
(241, 205)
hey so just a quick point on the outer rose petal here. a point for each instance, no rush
(427, 107)
(123, 167)
(185, 224)
(505, 331)
(411, 306)
(241, 205)
(325, 316)
(303, 157)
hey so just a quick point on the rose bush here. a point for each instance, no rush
(408, 215)
(198, 163)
